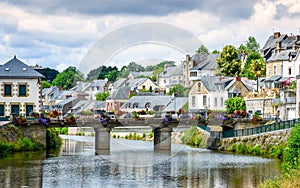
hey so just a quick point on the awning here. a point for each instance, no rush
(273, 78)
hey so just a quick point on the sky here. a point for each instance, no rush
(88, 34)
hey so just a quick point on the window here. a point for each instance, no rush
(204, 100)
(29, 108)
(290, 70)
(281, 69)
(274, 69)
(268, 70)
(193, 100)
(22, 90)
(222, 101)
(15, 109)
(199, 87)
(193, 74)
(1, 109)
(7, 89)
(216, 101)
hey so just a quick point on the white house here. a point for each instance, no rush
(211, 92)
(20, 88)
(170, 76)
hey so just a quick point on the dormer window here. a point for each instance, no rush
(199, 87)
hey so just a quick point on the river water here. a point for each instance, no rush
(133, 164)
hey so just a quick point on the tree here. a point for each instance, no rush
(215, 52)
(45, 84)
(68, 78)
(178, 89)
(134, 67)
(235, 103)
(112, 75)
(252, 45)
(258, 68)
(202, 50)
(228, 62)
(102, 73)
(50, 74)
(102, 96)
(247, 70)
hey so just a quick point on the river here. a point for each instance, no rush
(133, 164)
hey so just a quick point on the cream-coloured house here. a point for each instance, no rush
(20, 89)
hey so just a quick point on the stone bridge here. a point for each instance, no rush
(162, 130)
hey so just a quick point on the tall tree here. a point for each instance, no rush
(202, 50)
(258, 68)
(247, 70)
(68, 78)
(50, 74)
(178, 89)
(252, 44)
(228, 62)
(134, 67)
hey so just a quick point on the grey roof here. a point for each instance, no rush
(119, 83)
(154, 101)
(80, 86)
(205, 61)
(121, 93)
(250, 84)
(66, 101)
(273, 78)
(210, 81)
(137, 74)
(177, 102)
(283, 55)
(15, 68)
(134, 83)
(171, 71)
(271, 42)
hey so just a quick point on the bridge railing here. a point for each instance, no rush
(261, 129)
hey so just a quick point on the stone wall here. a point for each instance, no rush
(265, 141)
(11, 133)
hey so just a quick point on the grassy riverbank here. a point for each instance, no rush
(290, 165)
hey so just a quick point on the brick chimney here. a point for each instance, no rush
(276, 35)
(278, 45)
(238, 78)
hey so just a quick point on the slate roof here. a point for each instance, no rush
(121, 93)
(137, 74)
(119, 83)
(210, 81)
(205, 61)
(15, 68)
(171, 71)
(273, 78)
(154, 101)
(178, 102)
(283, 55)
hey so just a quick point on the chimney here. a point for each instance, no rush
(238, 78)
(278, 45)
(297, 37)
(187, 57)
(276, 35)
(59, 88)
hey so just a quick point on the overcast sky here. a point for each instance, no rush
(60, 33)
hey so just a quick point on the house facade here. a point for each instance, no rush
(211, 92)
(171, 76)
(20, 89)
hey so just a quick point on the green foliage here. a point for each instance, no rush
(293, 86)
(215, 52)
(178, 89)
(62, 130)
(50, 74)
(254, 66)
(112, 75)
(235, 103)
(202, 50)
(252, 44)
(68, 78)
(45, 84)
(292, 152)
(52, 138)
(24, 144)
(193, 137)
(102, 96)
(103, 72)
(228, 62)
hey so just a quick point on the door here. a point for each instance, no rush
(29, 108)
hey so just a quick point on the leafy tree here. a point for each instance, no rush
(102, 72)
(45, 84)
(102, 96)
(50, 74)
(178, 89)
(68, 78)
(228, 62)
(247, 71)
(215, 52)
(112, 75)
(293, 86)
(258, 68)
(134, 67)
(202, 50)
(252, 45)
(235, 103)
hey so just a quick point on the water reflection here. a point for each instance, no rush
(135, 164)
